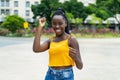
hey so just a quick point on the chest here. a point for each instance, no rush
(59, 47)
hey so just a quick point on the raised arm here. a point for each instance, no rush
(75, 52)
(37, 46)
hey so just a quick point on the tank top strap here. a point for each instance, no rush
(51, 38)
(69, 36)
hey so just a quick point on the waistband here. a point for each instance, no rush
(61, 70)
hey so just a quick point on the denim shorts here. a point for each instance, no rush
(64, 74)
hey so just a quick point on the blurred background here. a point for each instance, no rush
(86, 18)
(94, 23)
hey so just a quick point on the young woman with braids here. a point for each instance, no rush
(63, 49)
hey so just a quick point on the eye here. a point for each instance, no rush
(60, 23)
(53, 23)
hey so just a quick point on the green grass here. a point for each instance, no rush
(77, 35)
(97, 35)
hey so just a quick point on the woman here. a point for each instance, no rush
(63, 48)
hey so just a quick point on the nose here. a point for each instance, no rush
(57, 26)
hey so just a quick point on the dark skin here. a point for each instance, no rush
(58, 25)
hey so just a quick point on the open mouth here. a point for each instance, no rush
(58, 30)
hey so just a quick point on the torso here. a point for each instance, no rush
(58, 39)
(61, 67)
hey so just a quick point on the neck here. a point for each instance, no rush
(61, 36)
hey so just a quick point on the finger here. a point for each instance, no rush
(43, 19)
(72, 49)
(73, 52)
(40, 20)
(72, 55)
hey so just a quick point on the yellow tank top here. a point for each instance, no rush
(59, 54)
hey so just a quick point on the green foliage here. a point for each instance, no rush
(77, 21)
(102, 13)
(4, 32)
(118, 1)
(103, 9)
(36, 23)
(95, 19)
(90, 9)
(108, 24)
(13, 23)
(74, 7)
(69, 16)
(107, 8)
(45, 9)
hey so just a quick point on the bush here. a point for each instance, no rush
(13, 23)
(4, 32)
(20, 32)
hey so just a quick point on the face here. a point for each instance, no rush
(58, 24)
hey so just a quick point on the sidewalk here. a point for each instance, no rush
(100, 58)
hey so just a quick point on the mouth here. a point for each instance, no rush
(57, 30)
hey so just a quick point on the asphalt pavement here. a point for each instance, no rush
(18, 62)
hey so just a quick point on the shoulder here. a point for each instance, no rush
(72, 40)
(50, 39)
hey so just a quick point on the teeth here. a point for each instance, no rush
(58, 30)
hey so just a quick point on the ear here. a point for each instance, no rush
(65, 24)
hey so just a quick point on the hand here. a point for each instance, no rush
(42, 22)
(73, 53)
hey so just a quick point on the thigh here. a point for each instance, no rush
(68, 75)
(49, 75)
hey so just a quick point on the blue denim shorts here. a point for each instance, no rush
(64, 74)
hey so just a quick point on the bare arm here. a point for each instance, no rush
(37, 46)
(75, 52)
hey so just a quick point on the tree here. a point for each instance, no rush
(13, 23)
(45, 9)
(76, 8)
(108, 8)
(90, 9)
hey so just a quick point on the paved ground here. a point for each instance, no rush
(18, 62)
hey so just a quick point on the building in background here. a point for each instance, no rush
(21, 8)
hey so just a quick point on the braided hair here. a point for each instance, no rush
(61, 12)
